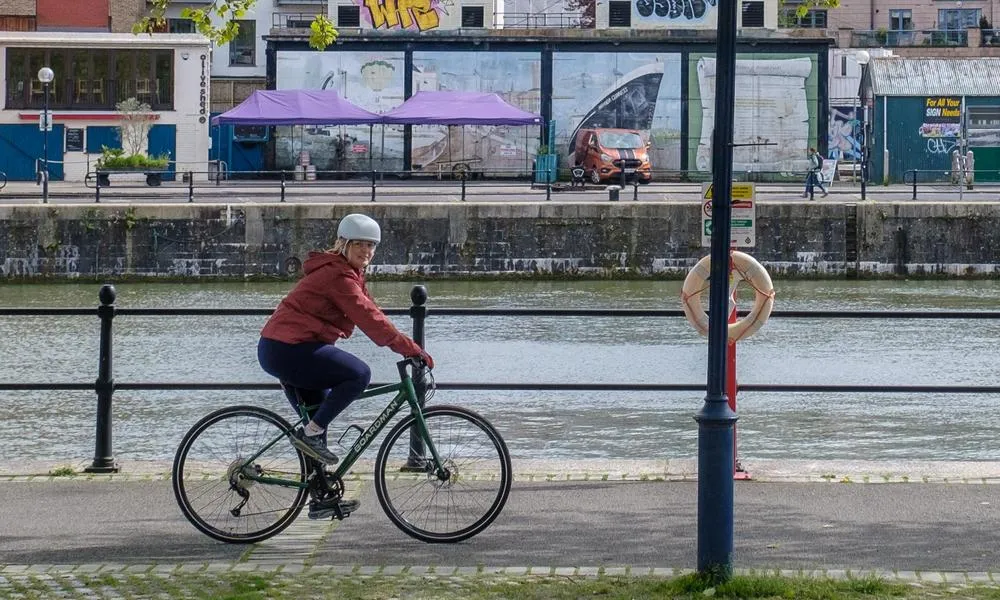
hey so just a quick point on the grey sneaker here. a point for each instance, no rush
(314, 446)
(325, 510)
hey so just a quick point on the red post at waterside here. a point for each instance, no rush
(738, 472)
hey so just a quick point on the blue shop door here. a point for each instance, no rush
(246, 156)
(21, 145)
(163, 140)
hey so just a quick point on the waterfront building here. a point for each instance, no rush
(93, 71)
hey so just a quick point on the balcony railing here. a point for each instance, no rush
(935, 38)
(514, 20)
(281, 20)
(89, 94)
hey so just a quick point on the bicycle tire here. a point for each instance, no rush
(412, 499)
(206, 468)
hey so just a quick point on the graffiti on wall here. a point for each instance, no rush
(421, 15)
(373, 80)
(627, 90)
(774, 117)
(673, 10)
(515, 76)
(64, 260)
(843, 134)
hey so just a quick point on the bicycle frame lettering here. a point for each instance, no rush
(376, 426)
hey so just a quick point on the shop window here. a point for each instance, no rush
(472, 16)
(88, 78)
(753, 13)
(349, 16)
(619, 13)
(243, 48)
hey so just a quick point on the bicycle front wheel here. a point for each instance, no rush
(215, 484)
(432, 508)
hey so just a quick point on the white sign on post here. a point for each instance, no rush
(45, 120)
(742, 221)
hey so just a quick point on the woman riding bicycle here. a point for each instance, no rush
(297, 345)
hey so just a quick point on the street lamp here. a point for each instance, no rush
(863, 58)
(45, 75)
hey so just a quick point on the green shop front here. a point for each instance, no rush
(921, 110)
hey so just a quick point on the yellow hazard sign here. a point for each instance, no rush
(740, 191)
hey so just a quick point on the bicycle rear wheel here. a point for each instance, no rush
(211, 482)
(432, 509)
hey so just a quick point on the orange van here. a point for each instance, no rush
(603, 153)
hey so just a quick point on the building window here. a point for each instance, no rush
(814, 19)
(753, 13)
(180, 26)
(472, 16)
(620, 13)
(900, 20)
(349, 16)
(958, 18)
(243, 48)
(17, 23)
(90, 78)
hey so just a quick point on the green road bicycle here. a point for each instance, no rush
(442, 473)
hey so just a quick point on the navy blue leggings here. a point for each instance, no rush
(327, 375)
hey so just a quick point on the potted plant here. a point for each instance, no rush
(136, 121)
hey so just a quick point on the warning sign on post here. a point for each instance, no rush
(742, 221)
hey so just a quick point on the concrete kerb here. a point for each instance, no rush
(12, 572)
(529, 470)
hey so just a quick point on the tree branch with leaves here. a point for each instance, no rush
(227, 13)
(802, 8)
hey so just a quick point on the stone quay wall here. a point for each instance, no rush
(493, 240)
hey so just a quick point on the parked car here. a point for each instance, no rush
(604, 153)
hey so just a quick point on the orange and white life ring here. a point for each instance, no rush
(745, 268)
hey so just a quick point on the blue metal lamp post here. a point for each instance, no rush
(716, 420)
(45, 75)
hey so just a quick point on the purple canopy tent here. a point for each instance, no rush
(458, 108)
(296, 107)
(299, 107)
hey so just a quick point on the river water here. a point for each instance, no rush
(148, 425)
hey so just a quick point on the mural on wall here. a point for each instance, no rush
(418, 15)
(515, 76)
(672, 11)
(776, 107)
(844, 128)
(618, 90)
(373, 80)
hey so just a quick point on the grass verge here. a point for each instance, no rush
(483, 586)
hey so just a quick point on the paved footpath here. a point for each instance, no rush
(905, 521)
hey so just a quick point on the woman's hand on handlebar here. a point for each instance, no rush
(424, 358)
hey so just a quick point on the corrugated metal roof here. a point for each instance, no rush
(898, 76)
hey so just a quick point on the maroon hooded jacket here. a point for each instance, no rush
(327, 303)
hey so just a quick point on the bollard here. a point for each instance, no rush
(282, 186)
(373, 185)
(97, 188)
(190, 187)
(463, 186)
(635, 191)
(613, 191)
(418, 313)
(548, 191)
(914, 184)
(104, 462)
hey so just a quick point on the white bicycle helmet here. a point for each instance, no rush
(359, 227)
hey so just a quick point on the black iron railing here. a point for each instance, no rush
(105, 385)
